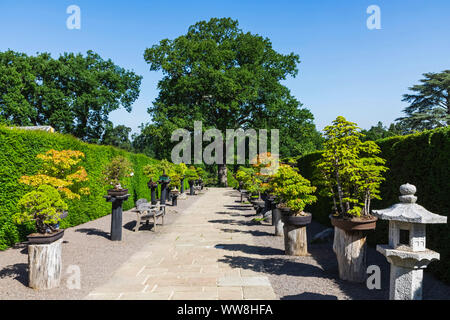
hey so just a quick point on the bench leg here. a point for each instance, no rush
(154, 222)
(138, 223)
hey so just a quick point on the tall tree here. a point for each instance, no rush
(227, 79)
(430, 103)
(74, 93)
(117, 136)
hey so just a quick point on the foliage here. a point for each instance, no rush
(74, 93)
(117, 136)
(60, 170)
(430, 104)
(181, 169)
(191, 174)
(399, 128)
(291, 189)
(350, 169)
(421, 159)
(44, 206)
(228, 79)
(152, 172)
(116, 170)
(18, 151)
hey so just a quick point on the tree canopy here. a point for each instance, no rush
(228, 79)
(430, 103)
(74, 93)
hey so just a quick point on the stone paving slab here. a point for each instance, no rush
(188, 260)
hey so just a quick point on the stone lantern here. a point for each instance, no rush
(406, 251)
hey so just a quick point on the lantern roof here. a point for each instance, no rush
(408, 210)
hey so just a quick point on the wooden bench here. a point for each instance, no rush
(146, 211)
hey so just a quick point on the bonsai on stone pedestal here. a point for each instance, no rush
(152, 173)
(60, 177)
(351, 173)
(118, 169)
(191, 176)
(293, 193)
(45, 207)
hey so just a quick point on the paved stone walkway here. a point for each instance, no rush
(185, 262)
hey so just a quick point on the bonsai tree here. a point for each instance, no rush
(292, 190)
(116, 170)
(44, 205)
(191, 174)
(151, 172)
(181, 169)
(166, 167)
(350, 169)
(249, 180)
(61, 170)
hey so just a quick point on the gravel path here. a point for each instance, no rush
(88, 247)
(311, 278)
(315, 277)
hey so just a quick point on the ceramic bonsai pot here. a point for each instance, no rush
(117, 192)
(354, 224)
(47, 238)
(296, 220)
(294, 227)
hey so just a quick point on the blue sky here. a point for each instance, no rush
(346, 68)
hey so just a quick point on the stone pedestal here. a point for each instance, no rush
(277, 222)
(153, 194)
(163, 198)
(295, 240)
(350, 249)
(406, 276)
(116, 216)
(191, 188)
(44, 265)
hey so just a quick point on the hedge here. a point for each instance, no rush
(421, 159)
(18, 150)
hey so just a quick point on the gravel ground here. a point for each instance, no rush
(87, 246)
(315, 277)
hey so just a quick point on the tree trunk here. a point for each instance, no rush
(350, 249)
(44, 265)
(222, 175)
(295, 240)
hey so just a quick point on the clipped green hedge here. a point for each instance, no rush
(421, 159)
(18, 150)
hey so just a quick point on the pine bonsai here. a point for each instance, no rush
(44, 206)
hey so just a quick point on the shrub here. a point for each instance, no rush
(18, 157)
(292, 190)
(60, 169)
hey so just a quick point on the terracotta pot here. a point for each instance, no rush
(40, 238)
(117, 193)
(352, 225)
